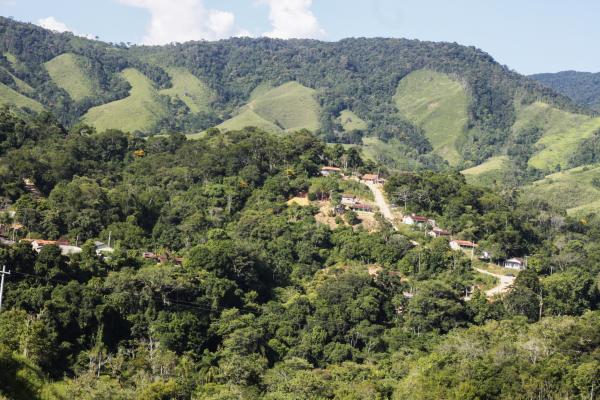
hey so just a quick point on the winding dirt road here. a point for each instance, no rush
(505, 283)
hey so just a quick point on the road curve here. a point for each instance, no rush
(505, 283)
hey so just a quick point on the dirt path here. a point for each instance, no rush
(384, 207)
(505, 283)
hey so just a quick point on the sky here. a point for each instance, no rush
(529, 36)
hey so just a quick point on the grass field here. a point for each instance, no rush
(288, 107)
(488, 172)
(562, 132)
(139, 111)
(389, 153)
(248, 118)
(191, 90)
(437, 104)
(351, 122)
(67, 72)
(572, 190)
(11, 97)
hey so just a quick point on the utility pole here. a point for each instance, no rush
(3, 272)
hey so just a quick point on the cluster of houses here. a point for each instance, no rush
(366, 178)
(456, 244)
(66, 249)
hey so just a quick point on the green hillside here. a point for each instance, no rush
(573, 190)
(583, 87)
(438, 104)
(248, 118)
(487, 173)
(66, 71)
(562, 131)
(191, 90)
(139, 111)
(351, 122)
(288, 107)
(11, 97)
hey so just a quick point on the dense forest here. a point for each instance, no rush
(583, 87)
(255, 298)
(360, 75)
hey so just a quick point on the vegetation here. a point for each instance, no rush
(583, 87)
(467, 105)
(438, 105)
(267, 302)
(69, 74)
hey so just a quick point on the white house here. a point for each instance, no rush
(438, 232)
(326, 171)
(414, 220)
(349, 199)
(463, 245)
(515, 263)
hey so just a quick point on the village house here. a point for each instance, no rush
(438, 232)
(414, 220)
(463, 245)
(349, 199)
(327, 171)
(372, 178)
(65, 248)
(515, 263)
(361, 207)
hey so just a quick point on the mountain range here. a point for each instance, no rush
(408, 104)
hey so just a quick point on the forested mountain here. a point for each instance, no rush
(218, 286)
(229, 220)
(408, 103)
(582, 87)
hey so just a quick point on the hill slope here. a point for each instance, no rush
(67, 72)
(427, 102)
(583, 87)
(139, 111)
(439, 105)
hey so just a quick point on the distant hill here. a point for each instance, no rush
(407, 103)
(582, 87)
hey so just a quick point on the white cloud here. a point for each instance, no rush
(293, 19)
(184, 20)
(53, 24)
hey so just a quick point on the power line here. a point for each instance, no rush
(3, 273)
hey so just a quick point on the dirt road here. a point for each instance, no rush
(384, 207)
(505, 283)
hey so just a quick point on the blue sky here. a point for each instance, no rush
(527, 35)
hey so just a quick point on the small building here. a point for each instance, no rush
(463, 245)
(372, 178)
(327, 171)
(68, 250)
(414, 220)
(361, 207)
(349, 199)
(438, 232)
(103, 248)
(65, 248)
(515, 263)
(6, 242)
